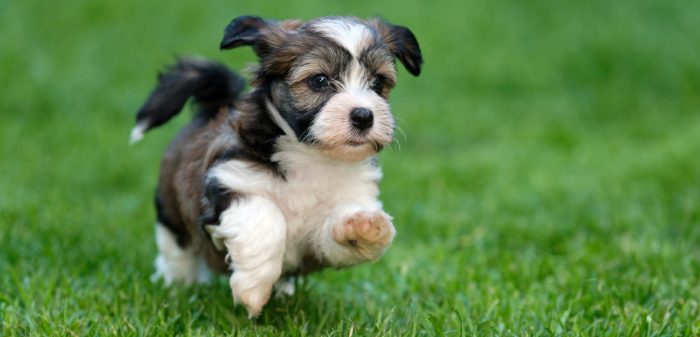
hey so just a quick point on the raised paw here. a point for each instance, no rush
(367, 233)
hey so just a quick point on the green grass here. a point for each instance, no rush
(548, 184)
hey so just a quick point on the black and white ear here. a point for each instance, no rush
(263, 35)
(402, 42)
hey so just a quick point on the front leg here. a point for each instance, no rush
(354, 234)
(253, 231)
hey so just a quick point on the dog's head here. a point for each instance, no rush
(329, 78)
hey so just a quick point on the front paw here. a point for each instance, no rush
(252, 293)
(367, 233)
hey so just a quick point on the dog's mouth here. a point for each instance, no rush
(353, 149)
(363, 138)
(357, 141)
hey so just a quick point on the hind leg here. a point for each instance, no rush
(284, 287)
(177, 264)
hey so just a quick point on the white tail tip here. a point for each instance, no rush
(137, 133)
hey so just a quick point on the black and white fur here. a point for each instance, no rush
(282, 181)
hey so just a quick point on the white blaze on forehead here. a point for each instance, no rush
(355, 79)
(348, 33)
(353, 36)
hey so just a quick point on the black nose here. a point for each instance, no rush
(361, 118)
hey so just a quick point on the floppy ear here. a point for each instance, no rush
(243, 31)
(402, 42)
(262, 35)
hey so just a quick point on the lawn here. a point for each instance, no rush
(548, 182)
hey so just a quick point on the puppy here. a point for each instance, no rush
(283, 180)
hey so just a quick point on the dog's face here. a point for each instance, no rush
(330, 78)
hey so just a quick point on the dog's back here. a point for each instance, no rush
(178, 200)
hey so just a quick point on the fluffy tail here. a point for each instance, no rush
(212, 84)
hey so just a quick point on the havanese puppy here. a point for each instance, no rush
(281, 181)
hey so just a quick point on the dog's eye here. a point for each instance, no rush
(378, 84)
(320, 82)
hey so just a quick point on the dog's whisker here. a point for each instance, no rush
(402, 133)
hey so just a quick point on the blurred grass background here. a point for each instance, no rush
(548, 183)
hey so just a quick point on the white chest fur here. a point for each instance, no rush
(312, 187)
